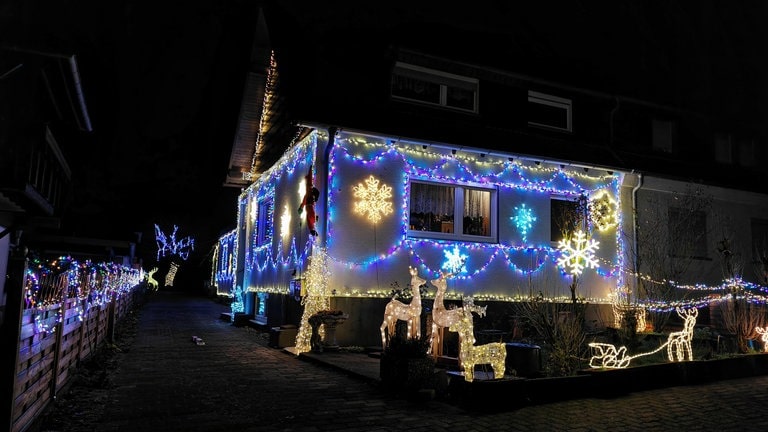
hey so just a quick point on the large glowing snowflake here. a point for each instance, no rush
(578, 253)
(374, 200)
(523, 220)
(454, 261)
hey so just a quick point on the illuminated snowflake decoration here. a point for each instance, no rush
(602, 211)
(374, 200)
(454, 261)
(578, 253)
(523, 220)
(285, 221)
(168, 245)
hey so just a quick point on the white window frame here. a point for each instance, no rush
(458, 214)
(443, 79)
(552, 101)
(266, 206)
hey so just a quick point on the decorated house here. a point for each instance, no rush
(368, 144)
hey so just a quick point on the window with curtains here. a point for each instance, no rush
(453, 212)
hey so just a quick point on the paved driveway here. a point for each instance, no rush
(235, 382)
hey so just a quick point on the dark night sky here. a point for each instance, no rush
(163, 82)
(163, 87)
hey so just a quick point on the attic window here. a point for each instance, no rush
(419, 84)
(549, 111)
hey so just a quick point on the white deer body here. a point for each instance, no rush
(494, 353)
(679, 342)
(445, 318)
(397, 310)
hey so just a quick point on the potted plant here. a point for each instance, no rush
(406, 365)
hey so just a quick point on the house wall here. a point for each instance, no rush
(369, 260)
(729, 214)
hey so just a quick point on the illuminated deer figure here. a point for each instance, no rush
(151, 280)
(444, 318)
(494, 353)
(763, 332)
(397, 310)
(679, 342)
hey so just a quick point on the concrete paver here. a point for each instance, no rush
(235, 382)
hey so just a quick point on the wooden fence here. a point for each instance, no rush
(53, 340)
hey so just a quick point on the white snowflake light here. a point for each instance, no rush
(454, 261)
(374, 200)
(578, 253)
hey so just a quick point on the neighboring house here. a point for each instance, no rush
(451, 160)
(42, 105)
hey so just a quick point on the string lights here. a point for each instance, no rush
(168, 245)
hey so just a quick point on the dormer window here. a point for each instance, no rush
(549, 111)
(429, 86)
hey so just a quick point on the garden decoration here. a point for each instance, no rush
(397, 310)
(763, 332)
(444, 318)
(151, 281)
(494, 353)
(678, 346)
(311, 195)
(171, 275)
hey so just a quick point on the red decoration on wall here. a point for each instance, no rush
(310, 198)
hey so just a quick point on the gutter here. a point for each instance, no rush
(635, 246)
(326, 174)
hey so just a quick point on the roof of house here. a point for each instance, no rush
(699, 59)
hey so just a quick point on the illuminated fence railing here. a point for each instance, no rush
(69, 309)
(51, 282)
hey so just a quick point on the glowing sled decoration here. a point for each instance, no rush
(678, 346)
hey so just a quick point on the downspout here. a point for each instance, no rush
(327, 172)
(635, 246)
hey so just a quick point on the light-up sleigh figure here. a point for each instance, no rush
(678, 346)
(494, 353)
(444, 318)
(397, 310)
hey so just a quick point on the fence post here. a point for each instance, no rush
(111, 317)
(58, 344)
(10, 329)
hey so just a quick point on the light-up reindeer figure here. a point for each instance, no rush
(397, 310)
(679, 342)
(678, 346)
(494, 353)
(444, 318)
(763, 332)
(151, 281)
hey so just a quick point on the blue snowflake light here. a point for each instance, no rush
(523, 220)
